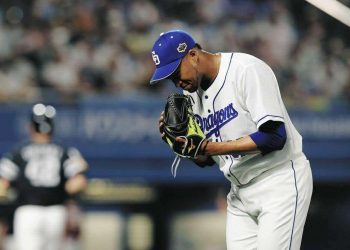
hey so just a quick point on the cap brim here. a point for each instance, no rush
(165, 71)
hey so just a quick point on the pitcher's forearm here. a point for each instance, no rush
(242, 145)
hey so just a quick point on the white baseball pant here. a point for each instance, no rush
(270, 213)
(39, 227)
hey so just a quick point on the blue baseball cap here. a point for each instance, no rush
(167, 52)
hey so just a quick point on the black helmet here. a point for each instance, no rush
(42, 118)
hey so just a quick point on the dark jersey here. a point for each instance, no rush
(38, 172)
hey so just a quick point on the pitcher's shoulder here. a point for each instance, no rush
(246, 59)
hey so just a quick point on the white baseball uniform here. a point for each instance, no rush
(270, 194)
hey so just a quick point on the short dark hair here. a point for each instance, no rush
(197, 45)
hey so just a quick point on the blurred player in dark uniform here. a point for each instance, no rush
(44, 176)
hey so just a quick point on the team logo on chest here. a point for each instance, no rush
(214, 122)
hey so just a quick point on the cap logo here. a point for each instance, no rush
(182, 47)
(155, 58)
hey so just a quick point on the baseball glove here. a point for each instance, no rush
(179, 122)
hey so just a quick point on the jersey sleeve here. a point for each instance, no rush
(8, 168)
(74, 164)
(261, 94)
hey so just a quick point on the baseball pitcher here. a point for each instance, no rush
(245, 129)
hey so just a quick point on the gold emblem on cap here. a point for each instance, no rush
(182, 47)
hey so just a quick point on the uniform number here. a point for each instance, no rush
(43, 171)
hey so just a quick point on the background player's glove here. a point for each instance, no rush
(181, 130)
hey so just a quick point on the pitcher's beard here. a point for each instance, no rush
(205, 82)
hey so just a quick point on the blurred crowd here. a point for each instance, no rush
(68, 50)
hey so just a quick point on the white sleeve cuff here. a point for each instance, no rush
(269, 118)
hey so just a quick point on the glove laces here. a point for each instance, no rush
(177, 159)
(175, 165)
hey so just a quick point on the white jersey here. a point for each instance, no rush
(244, 95)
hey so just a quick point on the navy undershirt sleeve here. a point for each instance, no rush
(271, 136)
